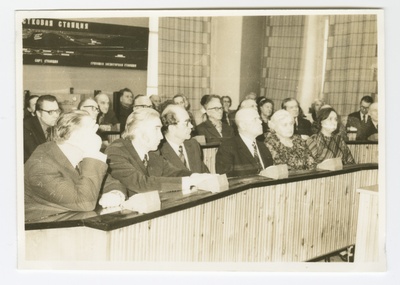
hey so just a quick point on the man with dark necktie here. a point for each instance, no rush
(360, 120)
(177, 147)
(35, 127)
(135, 162)
(243, 154)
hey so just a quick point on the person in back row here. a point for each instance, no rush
(360, 120)
(243, 154)
(125, 106)
(177, 147)
(213, 128)
(89, 105)
(36, 127)
(106, 116)
(134, 161)
(301, 126)
(30, 106)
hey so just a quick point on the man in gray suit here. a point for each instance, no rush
(177, 147)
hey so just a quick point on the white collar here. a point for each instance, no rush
(248, 142)
(140, 151)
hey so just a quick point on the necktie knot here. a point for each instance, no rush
(182, 155)
(256, 156)
(145, 161)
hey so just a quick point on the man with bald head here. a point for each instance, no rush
(178, 147)
(106, 118)
(243, 154)
(156, 100)
(141, 101)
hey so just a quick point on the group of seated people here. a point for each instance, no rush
(67, 170)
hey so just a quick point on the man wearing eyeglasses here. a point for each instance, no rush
(141, 101)
(90, 106)
(36, 128)
(177, 147)
(214, 129)
(360, 120)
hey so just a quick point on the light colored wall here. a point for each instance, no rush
(58, 79)
(312, 61)
(226, 39)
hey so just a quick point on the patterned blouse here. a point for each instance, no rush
(297, 157)
(323, 147)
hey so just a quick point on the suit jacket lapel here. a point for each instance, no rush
(265, 154)
(39, 130)
(56, 152)
(212, 129)
(171, 155)
(189, 149)
(134, 155)
(244, 152)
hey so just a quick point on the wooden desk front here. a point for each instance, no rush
(308, 215)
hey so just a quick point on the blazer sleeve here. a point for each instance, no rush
(224, 159)
(126, 171)
(199, 155)
(55, 185)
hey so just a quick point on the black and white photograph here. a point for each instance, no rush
(201, 140)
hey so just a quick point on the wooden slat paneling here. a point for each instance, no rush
(287, 222)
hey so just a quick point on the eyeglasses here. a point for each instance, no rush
(94, 108)
(142, 106)
(51, 112)
(215, 109)
(185, 123)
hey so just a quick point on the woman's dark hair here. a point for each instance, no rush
(322, 115)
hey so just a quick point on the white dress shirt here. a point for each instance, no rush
(249, 143)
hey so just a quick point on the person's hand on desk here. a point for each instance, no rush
(113, 198)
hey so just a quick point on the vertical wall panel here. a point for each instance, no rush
(185, 51)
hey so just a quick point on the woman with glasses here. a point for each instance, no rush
(214, 129)
(65, 173)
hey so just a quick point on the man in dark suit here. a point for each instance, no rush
(134, 161)
(35, 128)
(125, 106)
(30, 106)
(361, 119)
(177, 147)
(214, 129)
(243, 154)
(371, 132)
(301, 125)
